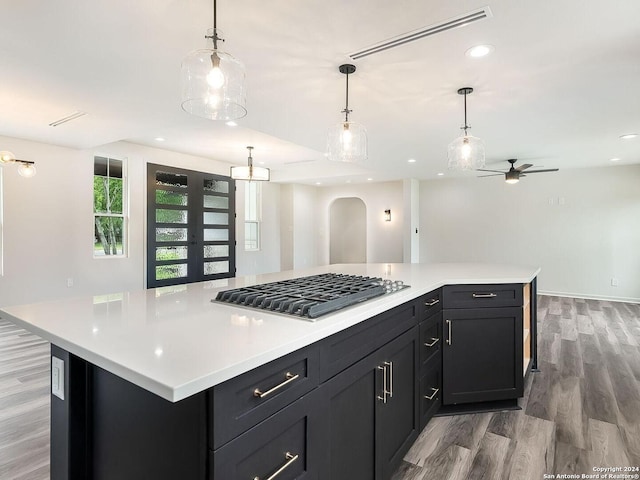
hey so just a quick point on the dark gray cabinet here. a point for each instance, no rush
(482, 352)
(371, 412)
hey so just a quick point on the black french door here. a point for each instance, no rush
(190, 226)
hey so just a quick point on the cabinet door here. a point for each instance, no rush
(349, 421)
(397, 424)
(482, 355)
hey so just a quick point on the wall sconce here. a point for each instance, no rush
(26, 168)
(387, 215)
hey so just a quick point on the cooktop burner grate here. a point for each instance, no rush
(311, 296)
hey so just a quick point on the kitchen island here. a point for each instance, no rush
(147, 375)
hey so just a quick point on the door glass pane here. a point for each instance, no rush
(171, 216)
(218, 234)
(171, 179)
(171, 234)
(211, 268)
(212, 251)
(211, 201)
(164, 272)
(219, 186)
(171, 253)
(165, 197)
(214, 218)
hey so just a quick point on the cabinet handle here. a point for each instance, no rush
(290, 459)
(434, 340)
(384, 383)
(484, 295)
(390, 365)
(431, 303)
(435, 392)
(290, 377)
(449, 327)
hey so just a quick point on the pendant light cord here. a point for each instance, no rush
(215, 37)
(346, 110)
(465, 114)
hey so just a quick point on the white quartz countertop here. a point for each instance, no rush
(174, 342)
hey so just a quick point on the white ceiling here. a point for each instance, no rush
(559, 90)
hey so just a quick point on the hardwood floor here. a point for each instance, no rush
(582, 410)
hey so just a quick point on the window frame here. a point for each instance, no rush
(257, 221)
(125, 206)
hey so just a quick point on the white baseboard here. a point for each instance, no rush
(589, 297)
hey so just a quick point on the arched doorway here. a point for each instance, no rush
(348, 231)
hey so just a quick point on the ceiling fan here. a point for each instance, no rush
(514, 173)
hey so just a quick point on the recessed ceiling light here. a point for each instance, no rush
(614, 159)
(318, 183)
(159, 139)
(348, 181)
(479, 51)
(231, 123)
(369, 179)
(412, 160)
(440, 174)
(628, 136)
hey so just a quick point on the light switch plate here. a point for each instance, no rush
(57, 377)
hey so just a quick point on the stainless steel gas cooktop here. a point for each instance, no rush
(311, 296)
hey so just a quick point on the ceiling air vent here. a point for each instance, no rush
(68, 118)
(455, 22)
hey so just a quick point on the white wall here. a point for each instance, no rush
(384, 239)
(48, 222)
(347, 231)
(582, 227)
(298, 227)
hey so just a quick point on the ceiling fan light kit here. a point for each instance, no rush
(514, 173)
(466, 152)
(347, 141)
(213, 81)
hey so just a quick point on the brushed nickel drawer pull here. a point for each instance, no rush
(484, 295)
(290, 377)
(434, 340)
(449, 339)
(384, 383)
(431, 303)
(390, 365)
(435, 392)
(290, 459)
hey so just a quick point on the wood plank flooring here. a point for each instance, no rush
(580, 411)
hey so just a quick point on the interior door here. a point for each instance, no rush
(190, 226)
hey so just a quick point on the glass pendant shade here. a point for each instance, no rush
(347, 142)
(466, 153)
(26, 170)
(213, 84)
(7, 157)
(251, 173)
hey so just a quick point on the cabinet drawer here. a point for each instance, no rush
(244, 401)
(430, 391)
(345, 348)
(289, 442)
(430, 339)
(473, 296)
(431, 303)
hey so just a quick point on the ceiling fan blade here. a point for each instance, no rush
(494, 175)
(483, 170)
(524, 167)
(546, 170)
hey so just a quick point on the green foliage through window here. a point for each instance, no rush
(108, 207)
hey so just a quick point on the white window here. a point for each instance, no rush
(109, 207)
(252, 215)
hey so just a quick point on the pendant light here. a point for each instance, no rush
(347, 141)
(213, 81)
(466, 152)
(250, 173)
(26, 168)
